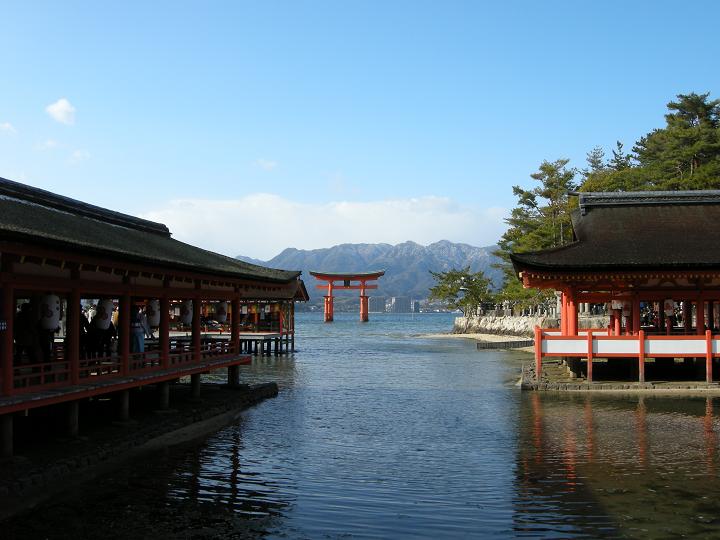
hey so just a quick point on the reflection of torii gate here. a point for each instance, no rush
(346, 278)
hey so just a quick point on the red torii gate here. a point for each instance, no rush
(346, 278)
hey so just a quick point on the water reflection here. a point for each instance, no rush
(634, 466)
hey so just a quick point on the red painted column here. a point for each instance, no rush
(363, 303)
(235, 324)
(7, 315)
(618, 321)
(636, 314)
(329, 303)
(538, 353)
(589, 356)
(700, 326)
(572, 316)
(73, 336)
(708, 357)
(687, 316)
(563, 314)
(124, 333)
(164, 333)
(281, 318)
(611, 324)
(641, 356)
(196, 331)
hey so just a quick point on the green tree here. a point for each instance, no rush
(685, 154)
(461, 289)
(540, 220)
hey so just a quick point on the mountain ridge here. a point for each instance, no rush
(407, 265)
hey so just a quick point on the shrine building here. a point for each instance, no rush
(61, 258)
(652, 260)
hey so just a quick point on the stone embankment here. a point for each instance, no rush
(523, 326)
(45, 469)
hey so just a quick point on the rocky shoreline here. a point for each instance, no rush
(41, 472)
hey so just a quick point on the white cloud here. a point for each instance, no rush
(7, 127)
(62, 111)
(261, 225)
(266, 164)
(48, 144)
(78, 156)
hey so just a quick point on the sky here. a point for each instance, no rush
(250, 127)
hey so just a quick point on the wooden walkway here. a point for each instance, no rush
(89, 387)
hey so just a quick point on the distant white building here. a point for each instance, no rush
(400, 304)
(377, 304)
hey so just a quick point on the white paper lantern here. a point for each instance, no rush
(49, 312)
(152, 311)
(103, 314)
(669, 306)
(186, 312)
(221, 311)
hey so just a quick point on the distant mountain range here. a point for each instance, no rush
(407, 266)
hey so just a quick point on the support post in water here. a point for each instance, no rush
(538, 353)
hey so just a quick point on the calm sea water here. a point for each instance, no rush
(381, 433)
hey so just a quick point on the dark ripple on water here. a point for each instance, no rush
(376, 434)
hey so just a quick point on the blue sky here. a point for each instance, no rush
(252, 126)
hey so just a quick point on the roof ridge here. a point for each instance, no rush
(595, 199)
(41, 197)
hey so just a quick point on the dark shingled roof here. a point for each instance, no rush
(39, 217)
(637, 231)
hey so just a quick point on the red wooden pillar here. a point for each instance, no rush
(636, 314)
(73, 335)
(618, 321)
(572, 316)
(124, 333)
(235, 324)
(7, 315)
(611, 324)
(164, 333)
(708, 356)
(281, 318)
(329, 303)
(196, 330)
(538, 353)
(563, 314)
(363, 303)
(589, 355)
(687, 316)
(700, 325)
(641, 356)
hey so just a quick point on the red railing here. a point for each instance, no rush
(596, 343)
(57, 371)
(100, 366)
(27, 377)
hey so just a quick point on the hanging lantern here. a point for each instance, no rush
(244, 310)
(50, 312)
(616, 304)
(221, 311)
(152, 310)
(669, 307)
(103, 314)
(186, 312)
